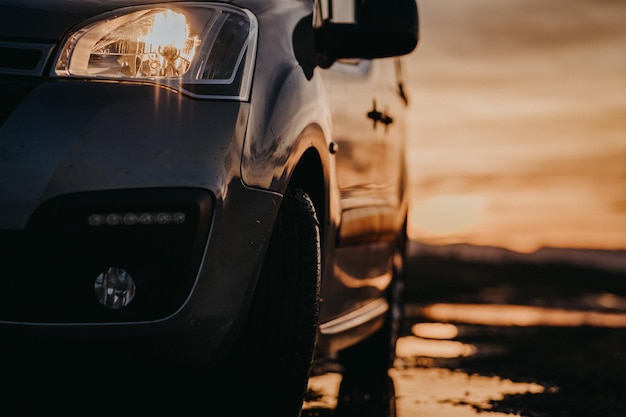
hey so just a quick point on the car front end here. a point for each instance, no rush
(122, 209)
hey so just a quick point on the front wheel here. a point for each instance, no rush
(275, 351)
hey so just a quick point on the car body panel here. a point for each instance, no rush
(50, 148)
(371, 172)
(78, 137)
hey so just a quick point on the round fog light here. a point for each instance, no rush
(114, 288)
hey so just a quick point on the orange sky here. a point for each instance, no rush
(518, 124)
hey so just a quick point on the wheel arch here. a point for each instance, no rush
(309, 176)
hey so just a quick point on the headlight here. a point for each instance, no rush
(198, 48)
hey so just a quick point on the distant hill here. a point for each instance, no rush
(606, 260)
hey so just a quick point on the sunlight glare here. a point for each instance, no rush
(447, 214)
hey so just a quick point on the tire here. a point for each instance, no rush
(371, 359)
(366, 388)
(366, 398)
(275, 352)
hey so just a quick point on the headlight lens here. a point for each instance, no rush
(201, 49)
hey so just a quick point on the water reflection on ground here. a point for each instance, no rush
(438, 392)
(420, 388)
(520, 315)
(425, 378)
(423, 389)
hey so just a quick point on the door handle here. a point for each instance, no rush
(377, 116)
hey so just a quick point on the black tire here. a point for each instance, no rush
(276, 349)
(366, 398)
(371, 359)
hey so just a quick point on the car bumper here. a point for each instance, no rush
(118, 150)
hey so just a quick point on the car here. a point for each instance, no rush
(223, 183)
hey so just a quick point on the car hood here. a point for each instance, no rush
(49, 20)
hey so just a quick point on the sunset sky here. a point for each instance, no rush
(518, 124)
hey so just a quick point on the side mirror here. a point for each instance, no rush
(381, 28)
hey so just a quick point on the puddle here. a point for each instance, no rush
(522, 315)
(323, 390)
(432, 392)
(437, 392)
(424, 390)
(427, 381)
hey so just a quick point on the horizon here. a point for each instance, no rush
(517, 125)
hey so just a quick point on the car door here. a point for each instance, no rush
(367, 105)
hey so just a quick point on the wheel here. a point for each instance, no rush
(274, 354)
(366, 388)
(372, 358)
(366, 398)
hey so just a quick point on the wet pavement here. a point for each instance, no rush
(500, 338)
(483, 334)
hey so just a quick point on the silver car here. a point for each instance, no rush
(222, 183)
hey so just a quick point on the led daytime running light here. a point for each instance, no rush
(134, 219)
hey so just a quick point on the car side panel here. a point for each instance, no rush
(371, 174)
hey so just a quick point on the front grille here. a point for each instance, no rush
(24, 58)
(50, 267)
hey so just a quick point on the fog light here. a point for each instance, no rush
(114, 288)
